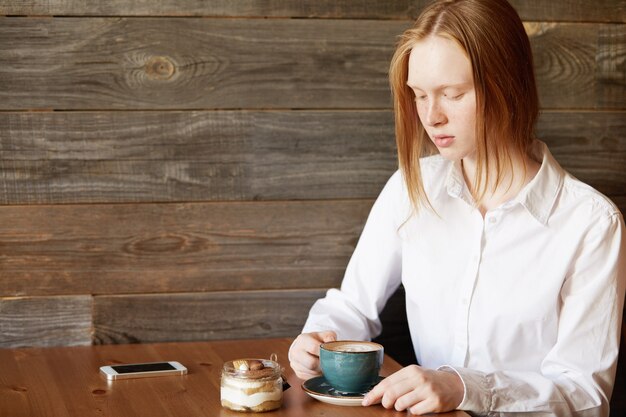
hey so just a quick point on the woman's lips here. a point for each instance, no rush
(443, 141)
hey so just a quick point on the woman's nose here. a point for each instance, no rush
(434, 114)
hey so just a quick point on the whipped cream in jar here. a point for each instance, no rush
(252, 385)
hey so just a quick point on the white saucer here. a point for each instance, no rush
(319, 389)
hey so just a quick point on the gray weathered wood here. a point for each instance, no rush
(45, 321)
(571, 10)
(193, 156)
(201, 316)
(563, 10)
(86, 157)
(99, 63)
(590, 145)
(141, 248)
(167, 63)
(579, 66)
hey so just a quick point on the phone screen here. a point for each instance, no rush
(143, 367)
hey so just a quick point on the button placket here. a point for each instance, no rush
(466, 289)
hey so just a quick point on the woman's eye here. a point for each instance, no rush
(455, 97)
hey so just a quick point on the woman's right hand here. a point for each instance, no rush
(304, 353)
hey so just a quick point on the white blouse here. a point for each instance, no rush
(524, 304)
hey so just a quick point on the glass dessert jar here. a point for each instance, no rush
(251, 385)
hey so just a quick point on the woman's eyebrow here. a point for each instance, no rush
(441, 86)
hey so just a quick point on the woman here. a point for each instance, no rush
(514, 270)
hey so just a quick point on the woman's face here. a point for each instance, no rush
(440, 74)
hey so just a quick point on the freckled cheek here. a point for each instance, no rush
(468, 115)
(469, 121)
(465, 117)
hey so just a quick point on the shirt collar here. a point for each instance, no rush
(537, 197)
(455, 183)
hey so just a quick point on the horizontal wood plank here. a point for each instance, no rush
(45, 321)
(590, 145)
(579, 66)
(89, 157)
(168, 63)
(192, 63)
(117, 249)
(562, 10)
(201, 316)
(571, 10)
(100, 157)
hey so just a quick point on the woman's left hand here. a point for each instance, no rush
(418, 390)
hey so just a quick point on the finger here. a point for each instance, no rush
(305, 376)
(303, 372)
(422, 407)
(401, 380)
(304, 353)
(410, 400)
(401, 396)
(302, 369)
(312, 342)
(395, 392)
(328, 336)
(307, 360)
(376, 394)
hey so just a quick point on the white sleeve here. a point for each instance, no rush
(577, 375)
(372, 275)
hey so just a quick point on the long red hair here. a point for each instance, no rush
(507, 104)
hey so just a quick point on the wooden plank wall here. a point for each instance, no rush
(183, 169)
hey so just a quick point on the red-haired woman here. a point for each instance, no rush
(514, 271)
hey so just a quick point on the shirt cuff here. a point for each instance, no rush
(477, 396)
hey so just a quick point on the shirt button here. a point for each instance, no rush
(464, 301)
(492, 220)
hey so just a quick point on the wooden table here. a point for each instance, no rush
(65, 381)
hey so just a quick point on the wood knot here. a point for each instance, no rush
(99, 392)
(160, 68)
(166, 243)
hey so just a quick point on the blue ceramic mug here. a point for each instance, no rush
(351, 366)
